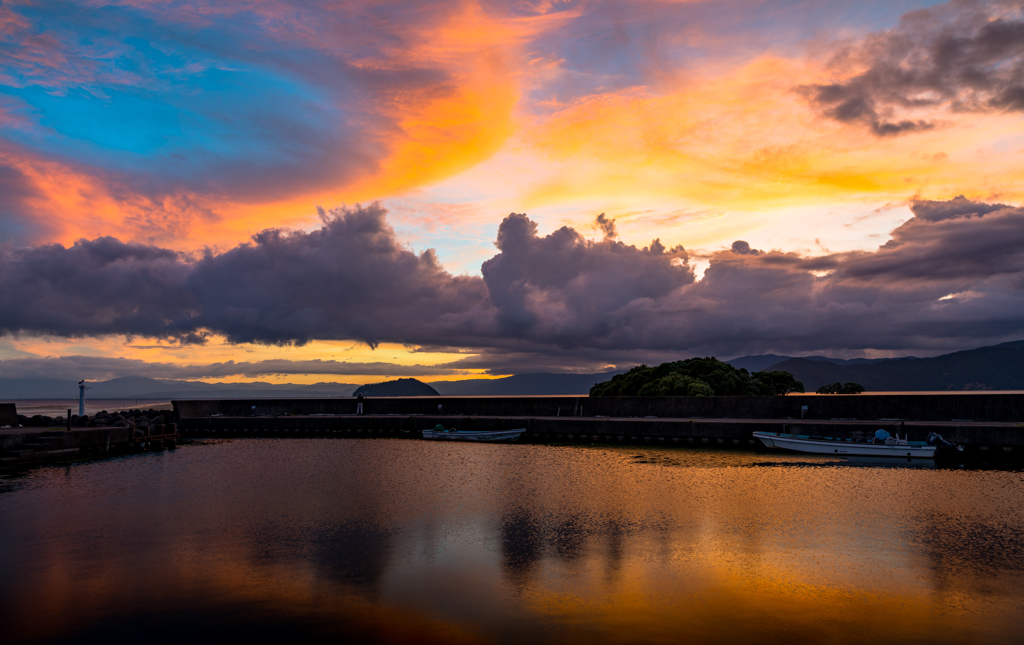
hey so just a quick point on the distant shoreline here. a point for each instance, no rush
(59, 407)
(121, 403)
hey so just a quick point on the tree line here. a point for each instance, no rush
(697, 377)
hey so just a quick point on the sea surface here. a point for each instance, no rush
(399, 541)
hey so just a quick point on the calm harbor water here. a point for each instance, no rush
(395, 541)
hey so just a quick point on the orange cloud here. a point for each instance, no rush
(747, 140)
(420, 134)
(458, 129)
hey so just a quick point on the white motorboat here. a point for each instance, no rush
(892, 447)
(490, 436)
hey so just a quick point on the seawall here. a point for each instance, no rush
(994, 407)
(982, 422)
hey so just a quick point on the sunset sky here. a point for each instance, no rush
(306, 191)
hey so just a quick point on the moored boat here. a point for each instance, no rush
(892, 447)
(489, 436)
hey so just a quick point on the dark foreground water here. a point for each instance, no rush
(401, 541)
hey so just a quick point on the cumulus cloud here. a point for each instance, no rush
(563, 288)
(96, 287)
(957, 207)
(351, 279)
(950, 277)
(743, 248)
(963, 56)
(971, 249)
(606, 225)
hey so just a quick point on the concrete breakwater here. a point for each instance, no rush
(982, 422)
(997, 407)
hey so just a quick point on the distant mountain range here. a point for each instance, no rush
(130, 387)
(999, 367)
(138, 387)
(524, 384)
(761, 362)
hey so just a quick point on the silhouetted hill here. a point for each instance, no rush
(524, 384)
(762, 362)
(139, 386)
(999, 367)
(399, 387)
(757, 363)
(271, 392)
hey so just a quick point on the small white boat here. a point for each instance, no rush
(892, 447)
(490, 436)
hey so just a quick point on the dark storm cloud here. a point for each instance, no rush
(950, 277)
(349, 279)
(963, 56)
(562, 288)
(100, 286)
(949, 252)
(957, 207)
(953, 281)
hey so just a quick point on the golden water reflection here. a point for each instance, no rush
(404, 541)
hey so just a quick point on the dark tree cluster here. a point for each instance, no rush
(697, 377)
(841, 388)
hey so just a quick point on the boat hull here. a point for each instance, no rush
(497, 436)
(839, 447)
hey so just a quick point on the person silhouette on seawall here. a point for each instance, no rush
(359, 404)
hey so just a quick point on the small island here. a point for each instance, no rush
(400, 387)
(840, 388)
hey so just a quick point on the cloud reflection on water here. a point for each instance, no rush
(394, 541)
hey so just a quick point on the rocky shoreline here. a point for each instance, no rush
(44, 439)
(102, 419)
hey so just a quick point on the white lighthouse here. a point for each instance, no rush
(81, 398)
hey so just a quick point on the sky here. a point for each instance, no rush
(346, 192)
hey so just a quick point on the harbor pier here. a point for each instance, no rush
(981, 422)
(989, 426)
